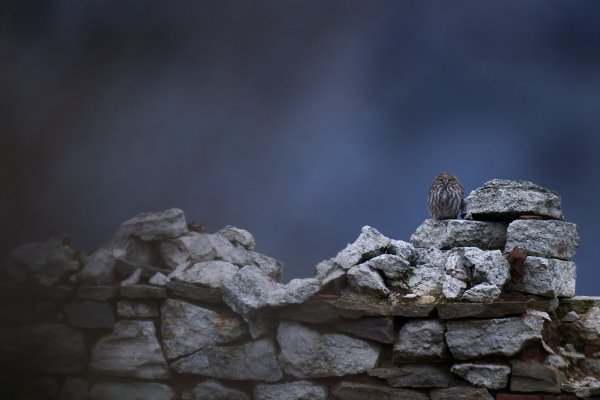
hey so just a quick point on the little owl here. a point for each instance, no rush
(445, 198)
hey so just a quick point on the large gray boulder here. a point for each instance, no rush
(548, 277)
(483, 374)
(421, 339)
(363, 279)
(157, 225)
(446, 234)
(370, 243)
(501, 199)
(367, 391)
(549, 239)
(131, 391)
(426, 277)
(212, 389)
(212, 274)
(306, 353)
(299, 390)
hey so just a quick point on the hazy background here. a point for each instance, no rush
(300, 121)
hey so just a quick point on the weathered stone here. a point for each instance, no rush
(90, 314)
(487, 375)
(234, 362)
(98, 268)
(211, 274)
(390, 265)
(194, 292)
(187, 328)
(143, 292)
(158, 279)
(296, 291)
(363, 279)
(212, 389)
(370, 243)
(131, 350)
(311, 311)
(42, 263)
(299, 390)
(402, 249)
(366, 391)
(426, 276)
(271, 267)
(548, 277)
(238, 236)
(585, 387)
(416, 375)
(501, 199)
(549, 239)
(306, 353)
(579, 304)
(453, 288)
(166, 224)
(329, 272)
(133, 391)
(99, 293)
(42, 349)
(460, 392)
(352, 305)
(446, 234)
(377, 329)
(420, 340)
(133, 279)
(137, 309)
(587, 328)
(503, 337)
(483, 292)
(531, 377)
(412, 310)
(74, 389)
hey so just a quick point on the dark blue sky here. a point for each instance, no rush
(300, 121)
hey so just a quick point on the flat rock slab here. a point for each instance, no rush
(212, 389)
(131, 350)
(353, 305)
(143, 292)
(210, 274)
(306, 353)
(532, 377)
(234, 362)
(90, 314)
(548, 277)
(480, 310)
(481, 374)
(378, 329)
(157, 225)
(416, 375)
(450, 233)
(549, 239)
(460, 392)
(194, 292)
(133, 391)
(494, 337)
(299, 390)
(366, 391)
(420, 340)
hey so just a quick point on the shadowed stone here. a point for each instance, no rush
(446, 234)
(548, 239)
(480, 310)
(143, 292)
(487, 375)
(212, 274)
(363, 279)
(548, 277)
(531, 377)
(137, 309)
(311, 311)
(416, 375)
(299, 390)
(90, 314)
(42, 263)
(460, 393)
(156, 225)
(420, 340)
(366, 391)
(133, 391)
(74, 389)
(212, 389)
(377, 329)
(194, 292)
(99, 293)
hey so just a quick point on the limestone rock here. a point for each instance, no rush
(238, 236)
(365, 391)
(299, 390)
(74, 389)
(390, 265)
(211, 274)
(480, 374)
(137, 309)
(370, 243)
(212, 389)
(133, 391)
(131, 350)
(187, 328)
(531, 377)
(42, 263)
(548, 239)
(446, 234)
(548, 277)
(90, 314)
(156, 225)
(363, 279)
(234, 362)
(377, 329)
(416, 375)
(490, 337)
(460, 392)
(306, 353)
(420, 340)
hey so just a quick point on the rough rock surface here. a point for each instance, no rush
(211, 274)
(548, 239)
(156, 225)
(131, 350)
(238, 236)
(420, 340)
(427, 275)
(462, 393)
(377, 329)
(390, 265)
(367, 391)
(90, 314)
(363, 279)
(306, 353)
(212, 389)
(217, 362)
(502, 337)
(42, 263)
(187, 328)
(370, 243)
(299, 390)
(506, 200)
(548, 277)
(137, 309)
(447, 234)
(98, 268)
(587, 328)
(531, 377)
(193, 292)
(416, 375)
(483, 374)
(132, 391)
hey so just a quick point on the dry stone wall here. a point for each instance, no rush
(478, 308)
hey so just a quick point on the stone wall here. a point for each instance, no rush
(478, 308)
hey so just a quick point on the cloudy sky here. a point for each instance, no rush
(300, 121)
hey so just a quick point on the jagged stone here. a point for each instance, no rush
(212, 274)
(99, 293)
(453, 288)
(460, 392)
(133, 279)
(390, 265)
(579, 304)
(501, 199)
(234, 362)
(480, 310)
(131, 350)
(42, 349)
(157, 225)
(427, 275)
(158, 279)
(238, 236)
(187, 328)
(402, 249)
(370, 243)
(295, 292)
(483, 292)
(329, 272)
(137, 309)
(548, 277)
(363, 279)
(587, 328)
(502, 337)
(548, 239)
(194, 292)
(480, 374)
(365, 391)
(306, 353)
(74, 389)
(299, 390)
(41, 263)
(416, 375)
(133, 391)
(143, 292)
(377, 329)
(311, 311)
(212, 389)
(420, 340)
(446, 234)
(90, 314)
(531, 377)
(271, 267)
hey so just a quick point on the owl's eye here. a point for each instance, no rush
(452, 181)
